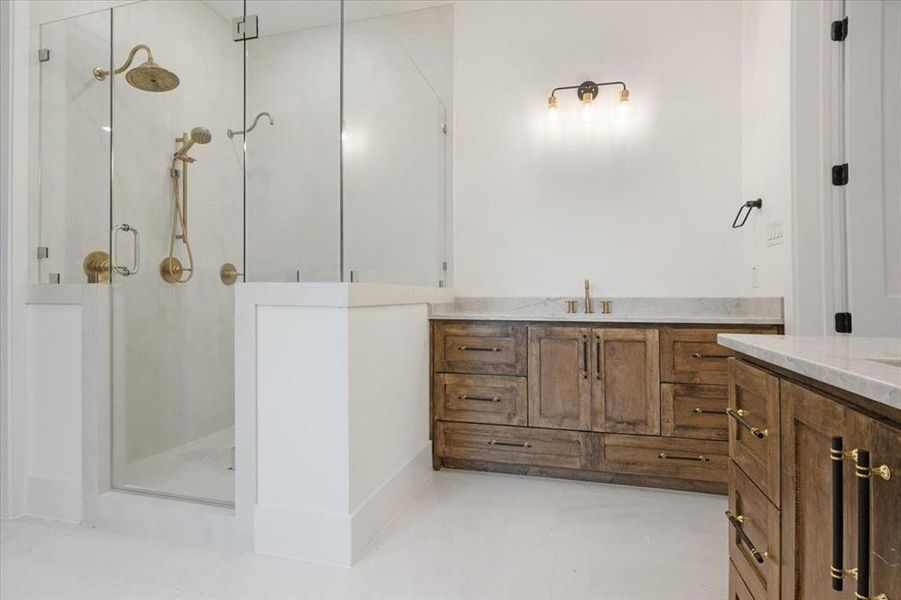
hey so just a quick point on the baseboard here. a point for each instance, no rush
(53, 499)
(312, 535)
(376, 511)
(332, 537)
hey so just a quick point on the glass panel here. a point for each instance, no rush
(70, 211)
(397, 78)
(178, 188)
(293, 160)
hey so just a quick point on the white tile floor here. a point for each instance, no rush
(463, 535)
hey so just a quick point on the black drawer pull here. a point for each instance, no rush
(700, 411)
(480, 399)
(510, 444)
(736, 521)
(478, 349)
(739, 416)
(699, 458)
(702, 356)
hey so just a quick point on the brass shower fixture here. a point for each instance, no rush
(148, 76)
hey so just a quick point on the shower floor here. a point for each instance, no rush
(198, 470)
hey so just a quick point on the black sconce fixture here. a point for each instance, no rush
(587, 91)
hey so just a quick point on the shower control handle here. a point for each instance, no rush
(136, 250)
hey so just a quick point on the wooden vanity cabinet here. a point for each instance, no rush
(810, 418)
(583, 401)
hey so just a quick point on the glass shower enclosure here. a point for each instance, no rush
(178, 152)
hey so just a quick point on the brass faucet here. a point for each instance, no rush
(588, 309)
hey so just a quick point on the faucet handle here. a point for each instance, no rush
(571, 306)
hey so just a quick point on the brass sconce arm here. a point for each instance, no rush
(101, 74)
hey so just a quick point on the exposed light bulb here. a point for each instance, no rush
(625, 110)
(552, 103)
(587, 98)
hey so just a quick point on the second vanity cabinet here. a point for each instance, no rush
(635, 404)
(796, 474)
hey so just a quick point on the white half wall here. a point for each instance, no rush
(53, 484)
(333, 400)
(641, 207)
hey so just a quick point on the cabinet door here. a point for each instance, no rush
(626, 381)
(809, 421)
(559, 386)
(884, 444)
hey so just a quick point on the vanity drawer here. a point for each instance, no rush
(754, 536)
(692, 355)
(754, 434)
(702, 460)
(481, 348)
(493, 399)
(517, 445)
(694, 411)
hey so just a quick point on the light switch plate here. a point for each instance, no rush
(775, 233)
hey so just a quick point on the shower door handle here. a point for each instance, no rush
(136, 250)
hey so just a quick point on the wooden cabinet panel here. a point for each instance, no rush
(809, 421)
(691, 355)
(625, 381)
(518, 445)
(754, 426)
(481, 348)
(667, 457)
(754, 536)
(489, 399)
(883, 442)
(559, 386)
(694, 411)
(737, 588)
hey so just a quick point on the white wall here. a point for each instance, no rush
(640, 208)
(6, 65)
(766, 148)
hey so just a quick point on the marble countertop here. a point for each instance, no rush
(861, 365)
(736, 311)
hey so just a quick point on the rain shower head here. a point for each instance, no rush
(148, 76)
(199, 135)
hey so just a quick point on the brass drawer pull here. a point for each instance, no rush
(702, 356)
(739, 416)
(510, 444)
(478, 349)
(699, 458)
(700, 411)
(585, 357)
(480, 399)
(736, 521)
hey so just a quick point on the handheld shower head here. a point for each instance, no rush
(199, 135)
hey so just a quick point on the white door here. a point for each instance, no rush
(873, 93)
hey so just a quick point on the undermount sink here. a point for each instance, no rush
(892, 362)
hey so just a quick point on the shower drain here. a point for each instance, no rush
(214, 458)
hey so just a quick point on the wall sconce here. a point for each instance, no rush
(587, 91)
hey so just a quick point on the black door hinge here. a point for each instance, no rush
(840, 174)
(840, 30)
(842, 322)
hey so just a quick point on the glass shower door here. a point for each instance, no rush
(176, 245)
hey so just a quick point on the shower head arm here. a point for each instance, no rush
(102, 74)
